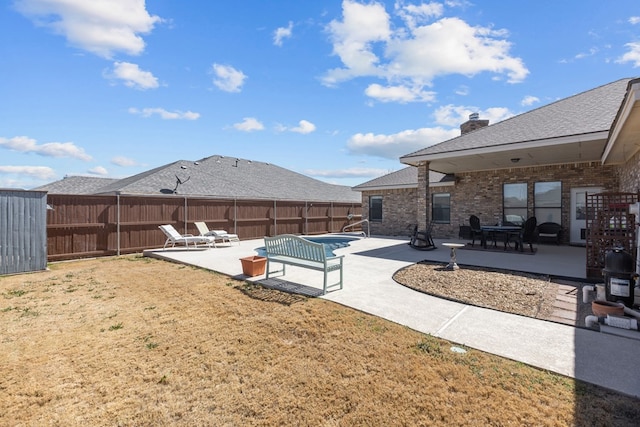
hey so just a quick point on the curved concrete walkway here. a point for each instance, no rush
(607, 360)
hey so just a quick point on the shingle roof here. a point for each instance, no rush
(76, 185)
(228, 177)
(403, 178)
(588, 112)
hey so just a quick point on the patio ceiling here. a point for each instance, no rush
(569, 149)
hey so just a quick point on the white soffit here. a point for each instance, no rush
(625, 136)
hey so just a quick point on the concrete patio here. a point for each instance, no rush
(370, 263)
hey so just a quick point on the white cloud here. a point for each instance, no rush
(123, 161)
(418, 52)
(102, 27)
(50, 149)
(249, 124)
(352, 38)
(400, 94)
(346, 173)
(591, 52)
(228, 78)
(633, 55)
(282, 33)
(164, 114)
(396, 145)
(634, 20)
(98, 170)
(39, 172)
(304, 127)
(133, 76)
(462, 90)
(413, 15)
(529, 100)
(455, 115)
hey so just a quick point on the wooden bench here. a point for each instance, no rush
(288, 249)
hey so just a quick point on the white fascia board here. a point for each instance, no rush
(633, 97)
(405, 186)
(387, 187)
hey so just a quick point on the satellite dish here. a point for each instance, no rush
(179, 182)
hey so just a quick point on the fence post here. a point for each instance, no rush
(118, 223)
(235, 216)
(331, 213)
(185, 216)
(275, 217)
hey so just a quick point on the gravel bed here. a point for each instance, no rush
(525, 294)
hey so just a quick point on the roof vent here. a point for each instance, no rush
(474, 116)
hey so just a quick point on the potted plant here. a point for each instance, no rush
(253, 265)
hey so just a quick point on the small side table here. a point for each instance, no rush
(452, 262)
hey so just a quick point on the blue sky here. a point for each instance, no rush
(336, 90)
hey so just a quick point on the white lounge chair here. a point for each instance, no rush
(174, 237)
(220, 235)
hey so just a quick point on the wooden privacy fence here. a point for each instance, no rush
(86, 225)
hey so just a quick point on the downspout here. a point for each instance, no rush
(275, 218)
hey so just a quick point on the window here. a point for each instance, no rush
(548, 202)
(514, 202)
(441, 208)
(375, 208)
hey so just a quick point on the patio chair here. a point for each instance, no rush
(175, 238)
(219, 235)
(550, 231)
(422, 240)
(474, 223)
(527, 234)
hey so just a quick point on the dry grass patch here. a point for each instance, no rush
(136, 341)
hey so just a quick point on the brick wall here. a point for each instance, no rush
(398, 211)
(422, 200)
(629, 175)
(480, 193)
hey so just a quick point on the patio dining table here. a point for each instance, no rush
(506, 230)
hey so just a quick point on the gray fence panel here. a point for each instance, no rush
(23, 231)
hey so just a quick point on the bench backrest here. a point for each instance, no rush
(549, 228)
(294, 246)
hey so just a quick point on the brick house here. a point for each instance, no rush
(540, 163)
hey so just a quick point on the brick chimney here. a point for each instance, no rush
(473, 123)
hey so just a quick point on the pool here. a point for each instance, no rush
(330, 243)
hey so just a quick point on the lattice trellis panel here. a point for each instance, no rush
(609, 225)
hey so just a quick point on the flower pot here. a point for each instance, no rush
(602, 308)
(253, 265)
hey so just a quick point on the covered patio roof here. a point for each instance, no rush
(600, 125)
